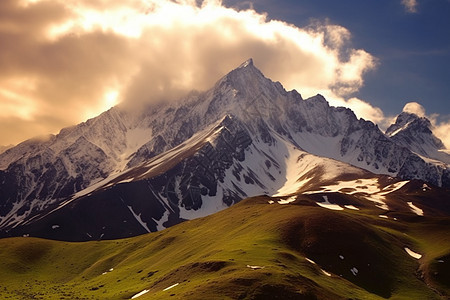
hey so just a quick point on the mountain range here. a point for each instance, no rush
(125, 172)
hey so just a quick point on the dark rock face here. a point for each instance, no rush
(38, 180)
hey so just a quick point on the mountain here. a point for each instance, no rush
(125, 173)
(415, 133)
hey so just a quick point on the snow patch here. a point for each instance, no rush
(351, 207)
(322, 270)
(367, 188)
(110, 270)
(55, 226)
(383, 216)
(393, 187)
(172, 286)
(160, 222)
(412, 253)
(354, 271)
(140, 294)
(138, 218)
(255, 267)
(329, 205)
(311, 261)
(425, 187)
(288, 200)
(415, 209)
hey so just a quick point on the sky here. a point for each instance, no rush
(64, 61)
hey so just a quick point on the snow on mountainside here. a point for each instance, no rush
(415, 133)
(246, 136)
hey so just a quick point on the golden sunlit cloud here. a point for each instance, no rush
(85, 56)
(17, 98)
(414, 108)
(442, 131)
(365, 110)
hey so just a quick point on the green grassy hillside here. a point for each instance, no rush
(253, 250)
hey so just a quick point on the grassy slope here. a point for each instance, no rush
(208, 257)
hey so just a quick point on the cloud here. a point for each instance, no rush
(442, 131)
(65, 61)
(414, 108)
(410, 5)
(366, 110)
(441, 127)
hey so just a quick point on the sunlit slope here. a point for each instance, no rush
(253, 250)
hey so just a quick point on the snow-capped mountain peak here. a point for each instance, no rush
(247, 63)
(406, 120)
(416, 133)
(402, 121)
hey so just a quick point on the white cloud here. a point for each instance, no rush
(65, 61)
(414, 108)
(410, 5)
(366, 110)
(441, 128)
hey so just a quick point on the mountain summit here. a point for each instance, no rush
(415, 133)
(126, 173)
